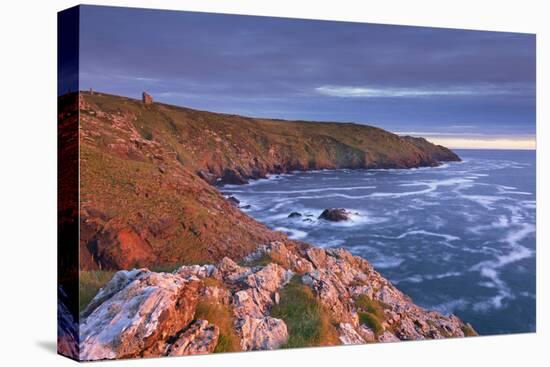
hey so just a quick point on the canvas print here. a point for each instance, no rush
(233, 183)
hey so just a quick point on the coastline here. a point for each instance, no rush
(143, 195)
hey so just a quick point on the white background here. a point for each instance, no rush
(28, 181)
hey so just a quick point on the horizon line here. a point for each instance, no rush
(448, 140)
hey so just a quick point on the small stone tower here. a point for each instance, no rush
(146, 98)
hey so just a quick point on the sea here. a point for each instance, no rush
(458, 238)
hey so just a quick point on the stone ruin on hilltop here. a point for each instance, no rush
(146, 98)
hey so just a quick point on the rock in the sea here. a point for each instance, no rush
(200, 338)
(140, 310)
(232, 177)
(233, 200)
(335, 214)
(294, 215)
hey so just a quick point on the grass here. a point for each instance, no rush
(264, 260)
(373, 322)
(371, 313)
(90, 283)
(221, 316)
(126, 184)
(308, 322)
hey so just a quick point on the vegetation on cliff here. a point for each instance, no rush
(146, 175)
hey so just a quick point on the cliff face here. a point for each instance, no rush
(282, 295)
(147, 169)
(148, 200)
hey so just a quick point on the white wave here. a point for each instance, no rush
(490, 268)
(487, 201)
(449, 307)
(437, 221)
(515, 192)
(501, 222)
(332, 243)
(385, 262)
(306, 190)
(417, 278)
(412, 279)
(432, 186)
(529, 204)
(447, 237)
(356, 218)
(496, 302)
(292, 233)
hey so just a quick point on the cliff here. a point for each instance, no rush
(148, 200)
(146, 175)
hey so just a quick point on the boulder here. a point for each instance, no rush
(262, 333)
(294, 215)
(259, 296)
(200, 338)
(232, 177)
(233, 200)
(317, 256)
(251, 307)
(135, 312)
(335, 214)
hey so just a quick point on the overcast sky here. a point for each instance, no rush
(456, 87)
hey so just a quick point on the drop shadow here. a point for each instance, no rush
(49, 346)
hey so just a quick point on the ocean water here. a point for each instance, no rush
(459, 238)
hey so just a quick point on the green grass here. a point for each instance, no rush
(90, 283)
(308, 322)
(221, 316)
(373, 322)
(371, 313)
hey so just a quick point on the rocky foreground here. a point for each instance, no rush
(141, 313)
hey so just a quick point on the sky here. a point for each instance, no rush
(458, 88)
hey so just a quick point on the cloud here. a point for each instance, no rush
(413, 92)
(138, 78)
